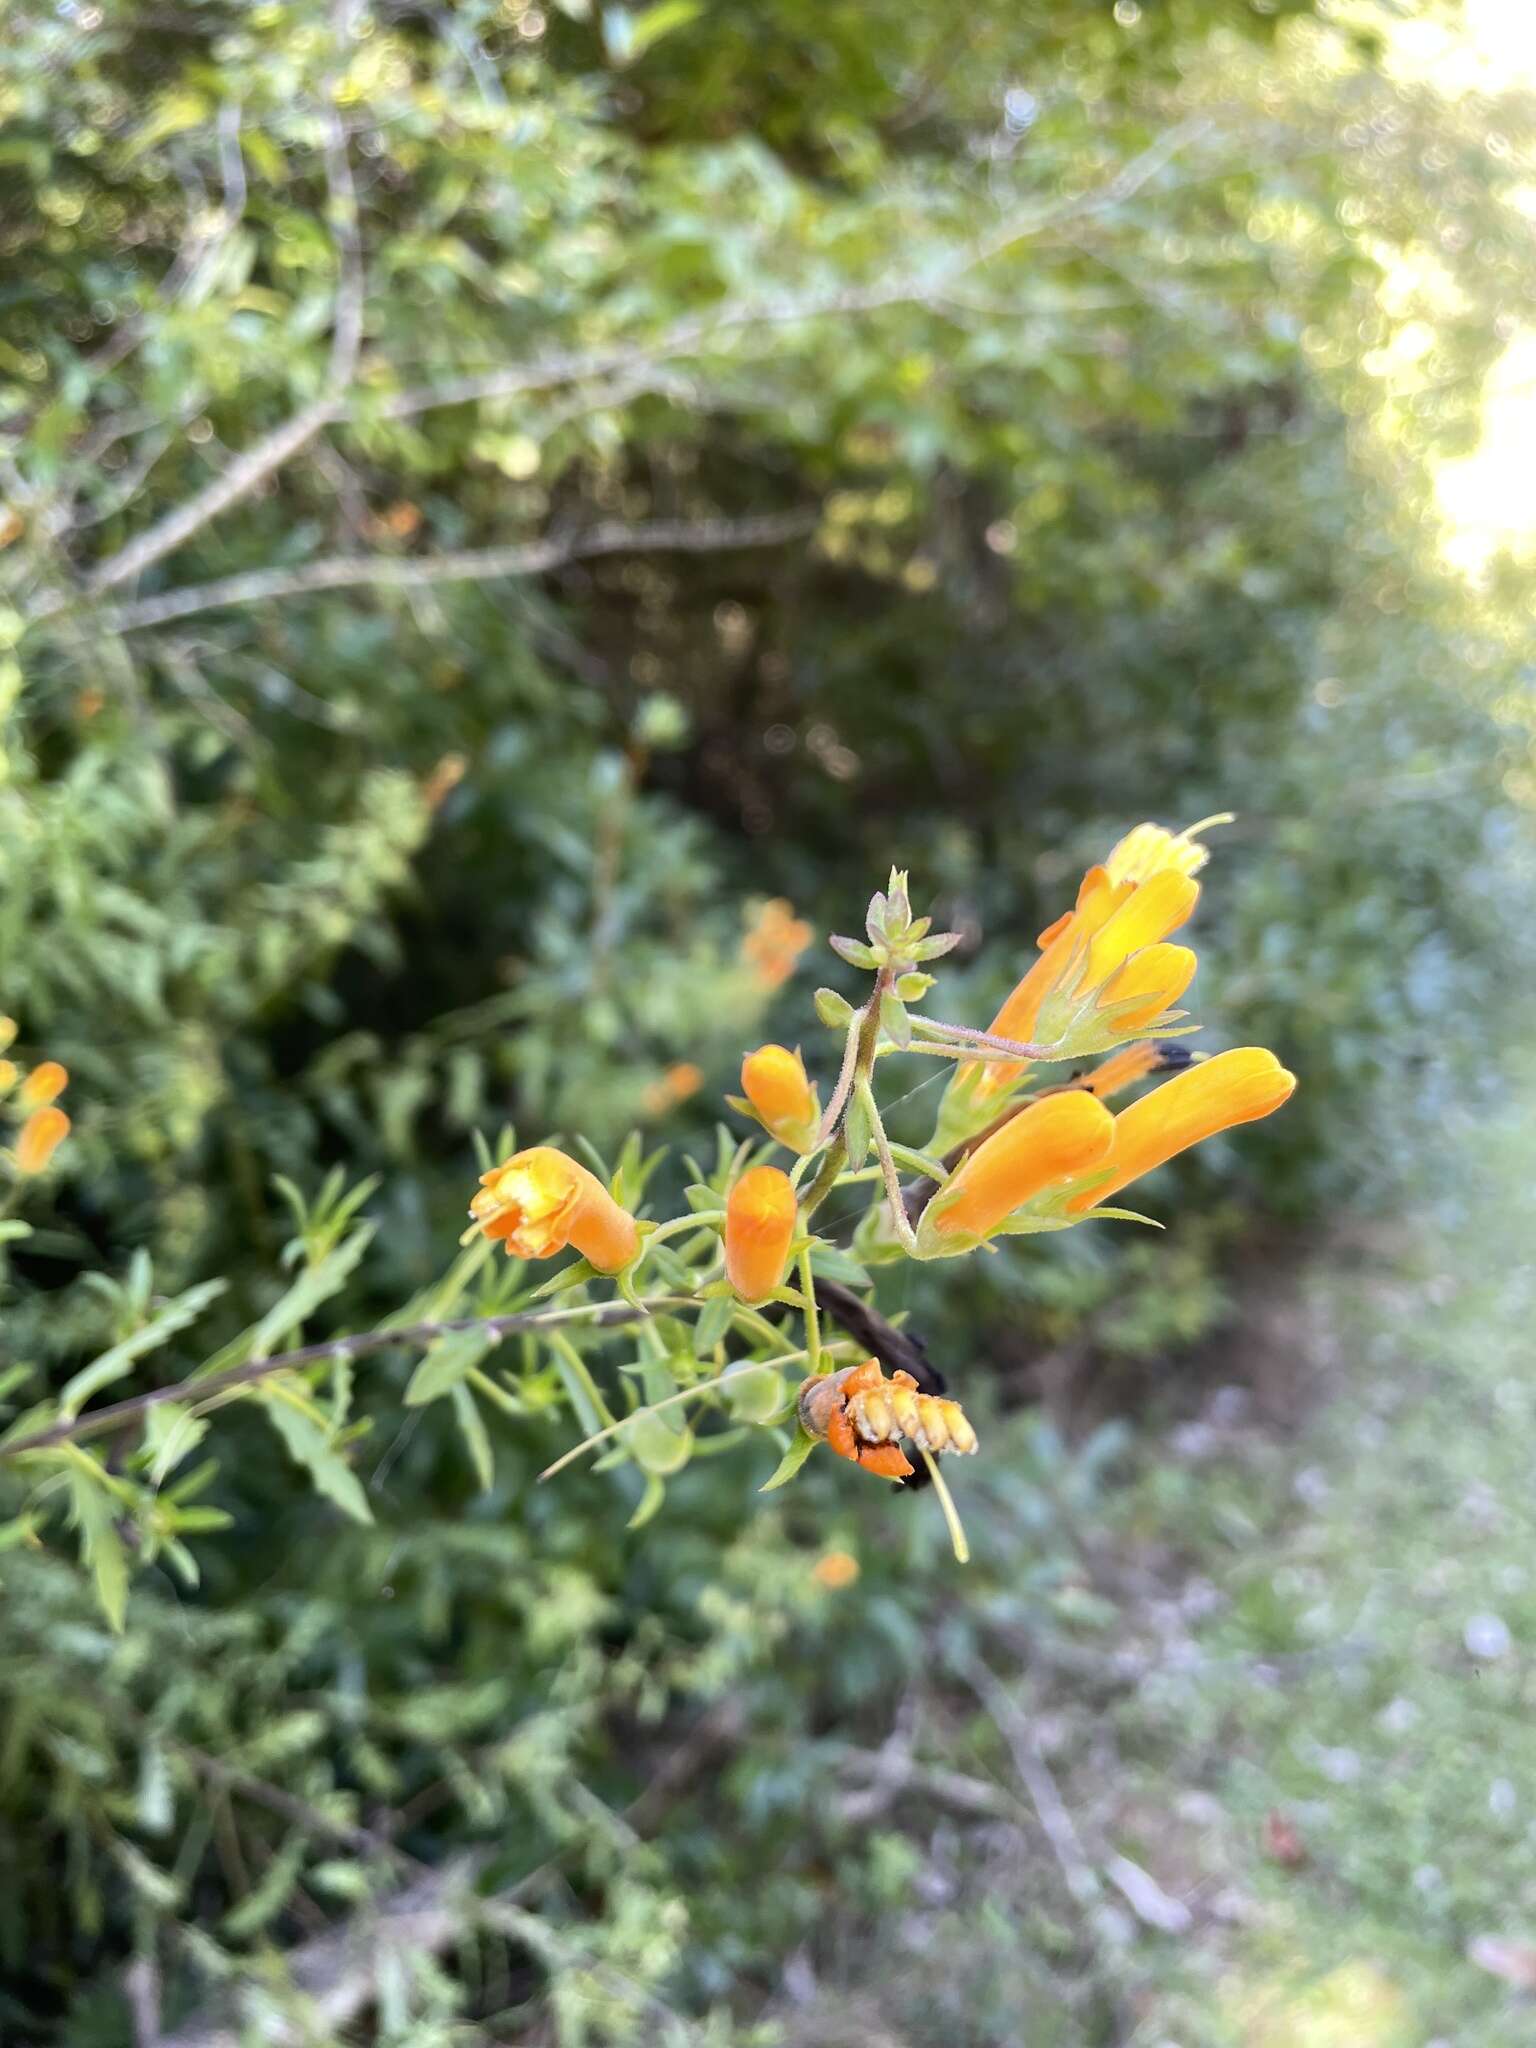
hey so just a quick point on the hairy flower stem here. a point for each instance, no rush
(826, 1178)
(813, 1362)
(979, 1045)
(858, 1053)
(903, 1228)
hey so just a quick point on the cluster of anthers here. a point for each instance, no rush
(861, 1414)
(1014, 1150)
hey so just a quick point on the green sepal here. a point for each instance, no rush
(1123, 1216)
(576, 1275)
(801, 1447)
(650, 1502)
(713, 1323)
(655, 1446)
(835, 1011)
(624, 1281)
(855, 952)
(755, 1396)
(857, 1132)
(895, 1022)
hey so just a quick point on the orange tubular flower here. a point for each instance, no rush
(1236, 1087)
(1051, 1142)
(759, 1229)
(774, 1082)
(41, 1136)
(1160, 973)
(538, 1202)
(43, 1085)
(1129, 906)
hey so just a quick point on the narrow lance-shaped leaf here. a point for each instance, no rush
(113, 1364)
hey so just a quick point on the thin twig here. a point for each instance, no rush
(1060, 1829)
(248, 471)
(892, 1773)
(685, 337)
(739, 1370)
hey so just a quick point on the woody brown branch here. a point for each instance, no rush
(862, 1322)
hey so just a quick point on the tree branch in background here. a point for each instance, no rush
(687, 335)
(467, 565)
(248, 471)
(269, 454)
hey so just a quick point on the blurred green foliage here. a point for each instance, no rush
(1068, 345)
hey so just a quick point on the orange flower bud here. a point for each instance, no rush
(1236, 1087)
(41, 1136)
(539, 1201)
(7, 1033)
(44, 1084)
(7, 1076)
(1050, 1142)
(774, 1081)
(759, 1228)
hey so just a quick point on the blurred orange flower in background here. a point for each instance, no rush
(774, 942)
(46, 1083)
(41, 1136)
(835, 1569)
(674, 1086)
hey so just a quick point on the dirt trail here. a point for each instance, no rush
(1273, 1782)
